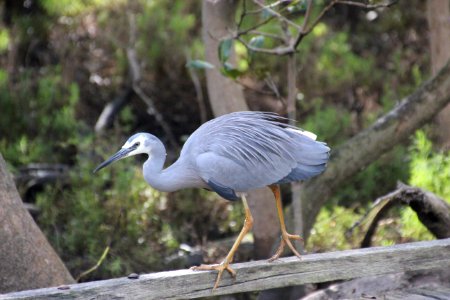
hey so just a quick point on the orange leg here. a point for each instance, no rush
(285, 236)
(225, 264)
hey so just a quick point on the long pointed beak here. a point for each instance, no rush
(119, 155)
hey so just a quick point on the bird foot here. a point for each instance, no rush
(224, 265)
(286, 240)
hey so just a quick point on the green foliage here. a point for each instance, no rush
(331, 124)
(375, 180)
(329, 230)
(4, 40)
(426, 169)
(256, 42)
(170, 25)
(430, 170)
(347, 78)
(37, 112)
(75, 7)
(114, 208)
(225, 47)
(338, 64)
(117, 207)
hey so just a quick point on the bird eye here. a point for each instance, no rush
(137, 144)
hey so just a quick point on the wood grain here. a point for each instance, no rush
(259, 275)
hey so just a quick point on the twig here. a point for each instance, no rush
(243, 13)
(354, 3)
(259, 91)
(271, 84)
(135, 74)
(303, 30)
(281, 50)
(245, 31)
(291, 86)
(307, 15)
(95, 267)
(269, 35)
(366, 6)
(319, 17)
(278, 15)
(112, 109)
(302, 33)
(198, 91)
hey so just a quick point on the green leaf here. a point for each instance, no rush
(257, 41)
(267, 13)
(230, 71)
(298, 6)
(199, 64)
(225, 50)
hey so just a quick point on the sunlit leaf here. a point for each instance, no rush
(230, 71)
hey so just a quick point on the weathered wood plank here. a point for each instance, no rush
(429, 293)
(402, 295)
(259, 275)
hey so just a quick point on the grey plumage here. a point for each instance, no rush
(233, 153)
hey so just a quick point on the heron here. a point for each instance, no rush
(232, 155)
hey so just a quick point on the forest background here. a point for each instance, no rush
(78, 77)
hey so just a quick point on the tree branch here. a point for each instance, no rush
(432, 211)
(276, 14)
(367, 146)
(112, 109)
(303, 30)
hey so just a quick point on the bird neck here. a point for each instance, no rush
(171, 179)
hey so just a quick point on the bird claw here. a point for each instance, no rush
(225, 265)
(286, 240)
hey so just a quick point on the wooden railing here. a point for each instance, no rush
(258, 275)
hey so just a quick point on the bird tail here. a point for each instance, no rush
(311, 156)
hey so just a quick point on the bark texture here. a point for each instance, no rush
(27, 261)
(433, 212)
(364, 148)
(438, 15)
(225, 96)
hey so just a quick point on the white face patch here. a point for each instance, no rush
(143, 147)
(304, 132)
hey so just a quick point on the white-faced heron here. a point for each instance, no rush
(231, 155)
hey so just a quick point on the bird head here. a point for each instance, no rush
(139, 143)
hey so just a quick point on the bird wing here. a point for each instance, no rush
(247, 150)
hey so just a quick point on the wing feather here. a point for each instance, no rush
(255, 149)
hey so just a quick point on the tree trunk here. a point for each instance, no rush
(27, 260)
(367, 146)
(225, 96)
(438, 15)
